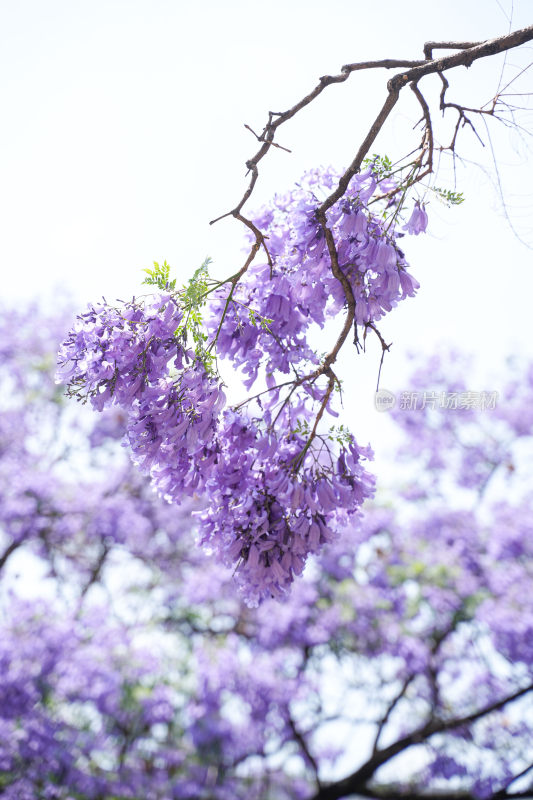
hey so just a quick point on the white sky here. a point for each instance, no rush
(123, 135)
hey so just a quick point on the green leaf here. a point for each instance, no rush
(447, 196)
(192, 298)
(160, 276)
(381, 165)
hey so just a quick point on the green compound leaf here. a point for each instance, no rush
(448, 197)
(160, 276)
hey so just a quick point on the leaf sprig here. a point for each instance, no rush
(192, 298)
(381, 166)
(160, 276)
(448, 197)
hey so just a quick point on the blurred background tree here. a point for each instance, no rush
(400, 665)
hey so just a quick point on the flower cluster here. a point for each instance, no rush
(276, 487)
(267, 316)
(272, 496)
(133, 356)
(113, 353)
(266, 513)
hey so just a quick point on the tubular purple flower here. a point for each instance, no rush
(417, 222)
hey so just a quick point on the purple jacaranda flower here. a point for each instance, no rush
(417, 222)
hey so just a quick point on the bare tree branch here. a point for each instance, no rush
(467, 56)
(503, 792)
(422, 166)
(392, 705)
(8, 551)
(430, 46)
(393, 793)
(299, 738)
(470, 52)
(356, 783)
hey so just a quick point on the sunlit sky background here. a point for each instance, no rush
(123, 135)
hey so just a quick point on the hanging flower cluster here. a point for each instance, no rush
(299, 289)
(276, 484)
(132, 355)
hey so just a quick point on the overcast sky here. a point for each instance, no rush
(123, 135)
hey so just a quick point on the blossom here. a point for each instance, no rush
(276, 487)
(417, 222)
